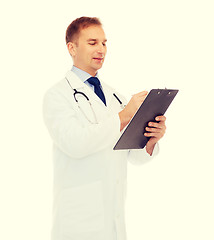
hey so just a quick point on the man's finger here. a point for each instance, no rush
(157, 130)
(160, 118)
(156, 125)
(153, 134)
(143, 93)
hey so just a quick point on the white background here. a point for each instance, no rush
(151, 44)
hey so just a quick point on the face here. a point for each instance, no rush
(90, 49)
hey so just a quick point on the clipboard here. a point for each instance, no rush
(155, 104)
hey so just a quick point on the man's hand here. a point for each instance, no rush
(155, 131)
(128, 112)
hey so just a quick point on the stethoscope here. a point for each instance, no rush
(89, 102)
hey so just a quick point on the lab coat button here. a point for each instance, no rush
(118, 181)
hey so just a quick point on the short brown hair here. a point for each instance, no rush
(80, 23)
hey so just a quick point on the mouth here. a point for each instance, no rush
(99, 59)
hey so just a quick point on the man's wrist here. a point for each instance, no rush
(150, 148)
(124, 119)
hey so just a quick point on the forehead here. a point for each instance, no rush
(92, 32)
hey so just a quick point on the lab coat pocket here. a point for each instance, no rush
(81, 209)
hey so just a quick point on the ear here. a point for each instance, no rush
(71, 48)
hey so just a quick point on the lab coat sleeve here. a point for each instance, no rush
(70, 135)
(140, 156)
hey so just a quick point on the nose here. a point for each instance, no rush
(101, 49)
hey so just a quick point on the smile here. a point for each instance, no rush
(100, 59)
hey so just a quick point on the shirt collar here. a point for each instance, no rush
(84, 76)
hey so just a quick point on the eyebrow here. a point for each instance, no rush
(94, 40)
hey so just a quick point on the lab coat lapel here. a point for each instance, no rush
(75, 82)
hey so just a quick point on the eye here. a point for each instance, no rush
(104, 44)
(92, 43)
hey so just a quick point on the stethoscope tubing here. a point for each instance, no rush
(84, 95)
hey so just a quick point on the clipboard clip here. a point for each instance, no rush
(165, 89)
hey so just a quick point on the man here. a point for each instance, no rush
(85, 119)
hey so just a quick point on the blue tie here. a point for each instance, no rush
(97, 89)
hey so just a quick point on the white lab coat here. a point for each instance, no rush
(89, 176)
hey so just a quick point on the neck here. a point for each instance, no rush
(91, 72)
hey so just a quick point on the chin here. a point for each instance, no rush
(97, 68)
